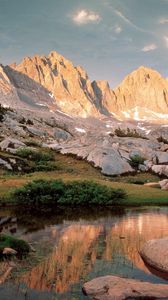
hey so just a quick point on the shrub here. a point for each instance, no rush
(3, 111)
(29, 122)
(22, 121)
(129, 133)
(20, 246)
(161, 139)
(136, 160)
(34, 155)
(45, 166)
(32, 143)
(139, 181)
(83, 193)
(41, 192)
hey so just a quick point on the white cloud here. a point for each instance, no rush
(166, 40)
(149, 47)
(86, 16)
(163, 20)
(118, 29)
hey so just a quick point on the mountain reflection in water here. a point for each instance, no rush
(80, 244)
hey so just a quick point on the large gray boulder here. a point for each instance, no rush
(155, 254)
(107, 159)
(37, 132)
(162, 157)
(117, 288)
(61, 135)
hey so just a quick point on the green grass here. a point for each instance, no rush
(20, 246)
(72, 169)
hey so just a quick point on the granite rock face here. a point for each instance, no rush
(117, 288)
(90, 139)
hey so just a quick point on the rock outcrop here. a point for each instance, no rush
(117, 288)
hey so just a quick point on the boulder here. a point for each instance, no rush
(61, 135)
(10, 143)
(153, 184)
(160, 169)
(164, 147)
(142, 168)
(5, 164)
(155, 254)
(37, 132)
(162, 157)
(117, 288)
(165, 187)
(163, 183)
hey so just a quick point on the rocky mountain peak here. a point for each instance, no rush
(54, 82)
(143, 93)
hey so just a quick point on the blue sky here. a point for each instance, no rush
(109, 38)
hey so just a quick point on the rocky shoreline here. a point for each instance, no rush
(155, 254)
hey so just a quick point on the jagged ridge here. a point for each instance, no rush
(54, 82)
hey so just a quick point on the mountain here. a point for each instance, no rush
(67, 86)
(54, 83)
(143, 95)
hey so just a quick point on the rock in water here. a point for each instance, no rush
(117, 288)
(155, 254)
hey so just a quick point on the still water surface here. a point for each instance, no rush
(77, 246)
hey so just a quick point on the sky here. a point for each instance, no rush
(109, 38)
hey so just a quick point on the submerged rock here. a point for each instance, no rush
(117, 288)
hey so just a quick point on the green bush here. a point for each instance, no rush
(137, 160)
(20, 246)
(137, 181)
(32, 143)
(45, 166)
(41, 192)
(83, 193)
(35, 155)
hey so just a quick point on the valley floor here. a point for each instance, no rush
(70, 168)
